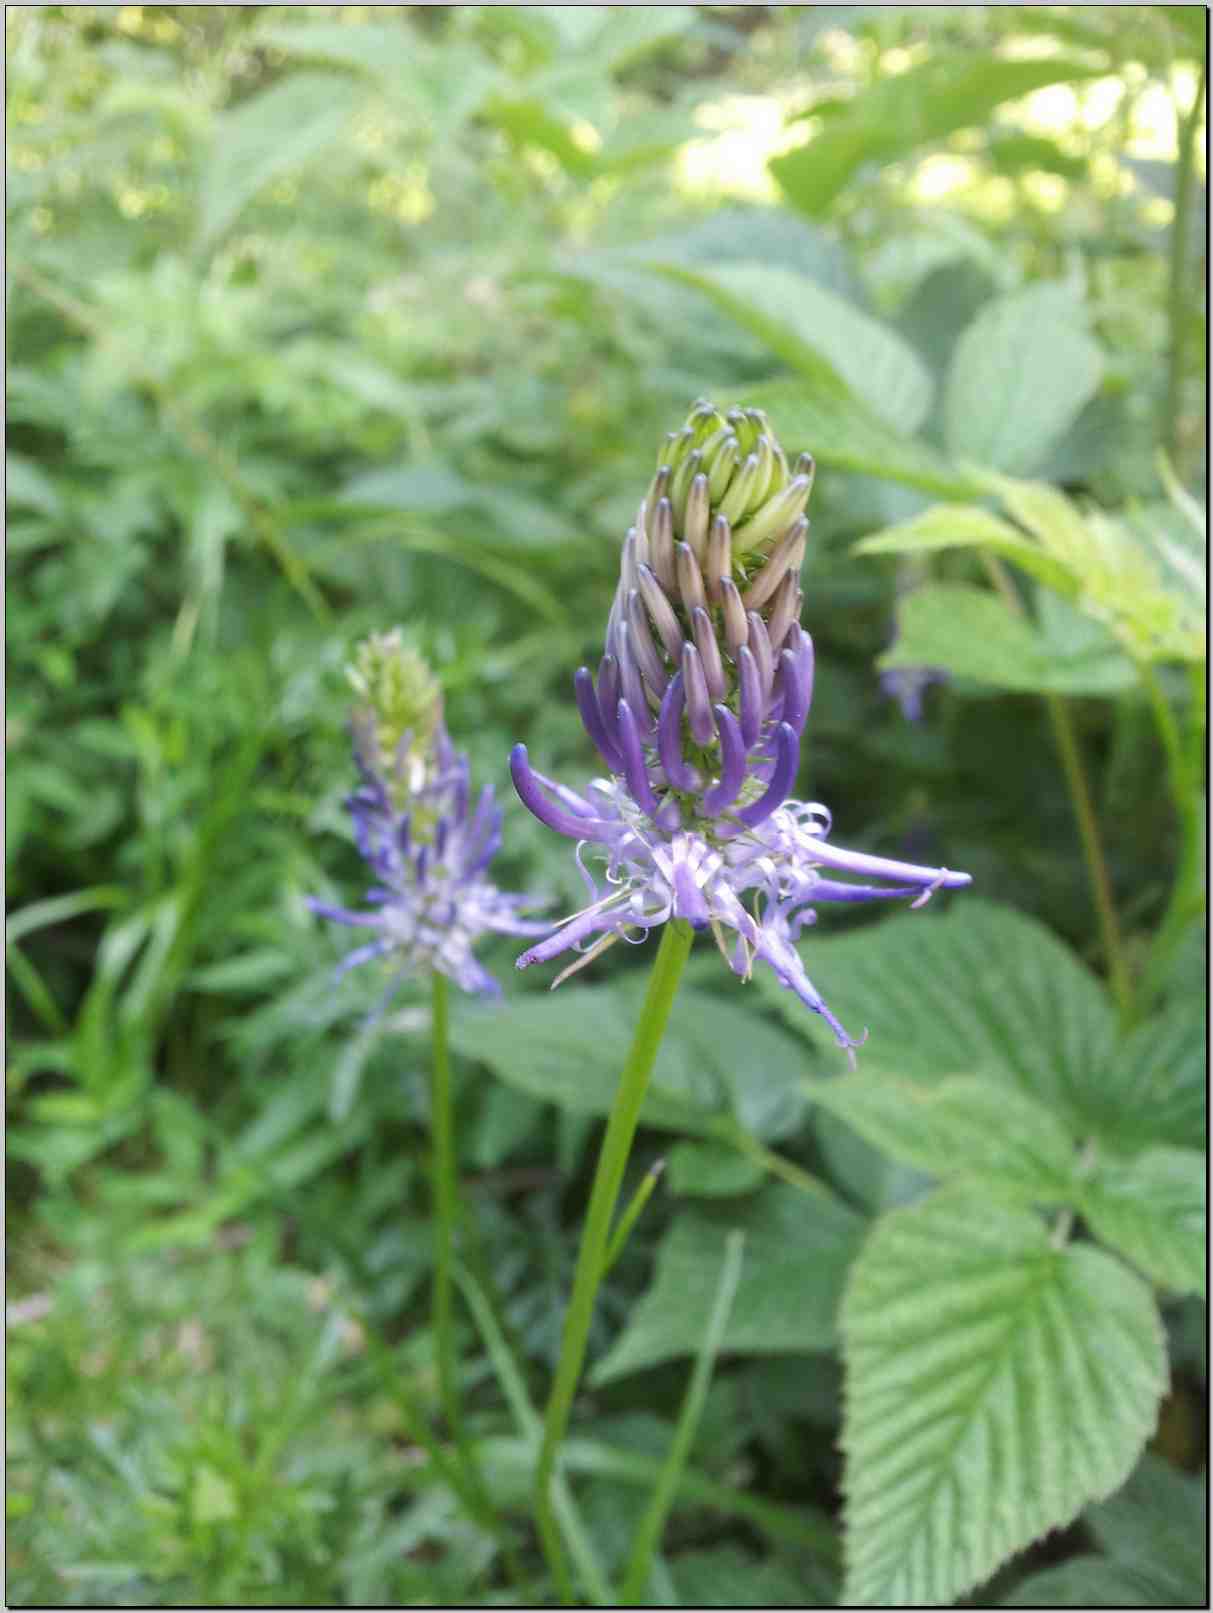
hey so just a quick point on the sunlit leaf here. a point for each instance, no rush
(995, 1385)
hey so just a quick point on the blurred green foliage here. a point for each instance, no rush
(324, 319)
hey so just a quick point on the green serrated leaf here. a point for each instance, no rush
(1152, 1210)
(980, 988)
(716, 1058)
(899, 114)
(995, 1386)
(825, 337)
(972, 634)
(1158, 1523)
(841, 431)
(268, 136)
(963, 1127)
(797, 1253)
(1019, 376)
(964, 526)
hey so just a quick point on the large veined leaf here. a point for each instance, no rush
(1019, 376)
(978, 989)
(973, 634)
(995, 1384)
(964, 1126)
(841, 431)
(902, 113)
(1152, 1209)
(1158, 1520)
(716, 1058)
(820, 334)
(1154, 1089)
(798, 1248)
(270, 135)
(963, 526)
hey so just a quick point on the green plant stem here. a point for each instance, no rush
(652, 1522)
(1176, 292)
(1183, 777)
(1092, 850)
(671, 959)
(1084, 815)
(446, 1210)
(631, 1215)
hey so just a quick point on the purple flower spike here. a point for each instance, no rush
(705, 623)
(695, 692)
(432, 899)
(787, 758)
(634, 769)
(732, 770)
(669, 739)
(591, 719)
(751, 696)
(530, 793)
(795, 692)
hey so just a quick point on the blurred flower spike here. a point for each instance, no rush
(697, 711)
(426, 844)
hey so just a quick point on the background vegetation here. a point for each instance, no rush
(326, 318)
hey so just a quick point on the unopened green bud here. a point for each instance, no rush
(400, 707)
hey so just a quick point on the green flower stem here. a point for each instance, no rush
(652, 1523)
(671, 959)
(446, 1217)
(1084, 815)
(446, 1209)
(631, 1215)
(1177, 291)
(1092, 850)
(1184, 761)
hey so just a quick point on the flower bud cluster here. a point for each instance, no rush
(705, 685)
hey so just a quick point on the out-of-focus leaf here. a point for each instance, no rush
(843, 433)
(995, 1386)
(972, 634)
(963, 1126)
(900, 114)
(1094, 1582)
(1019, 376)
(729, 1576)
(1152, 1210)
(980, 988)
(711, 1170)
(1157, 1521)
(274, 133)
(820, 334)
(715, 1060)
(953, 526)
(797, 1253)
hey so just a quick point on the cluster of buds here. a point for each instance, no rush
(417, 829)
(697, 710)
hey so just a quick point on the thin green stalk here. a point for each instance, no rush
(671, 959)
(1183, 777)
(1084, 815)
(652, 1522)
(446, 1210)
(1177, 290)
(786, 1170)
(631, 1215)
(513, 1386)
(1092, 850)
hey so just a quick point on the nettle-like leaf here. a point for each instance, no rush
(716, 1060)
(1153, 1210)
(798, 1249)
(1154, 611)
(970, 633)
(1019, 377)
(964, 1126)
(820, 334)
(979, 989)
(995, 1384)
